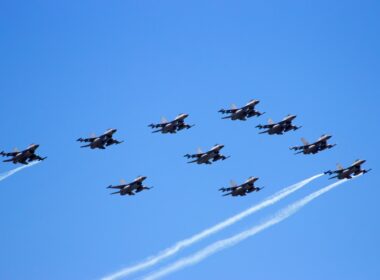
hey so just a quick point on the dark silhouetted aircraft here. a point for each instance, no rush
(243, 189)
(173, 126)
(347, 173)
(101, 141)
(130, 188)
(25, 157)
(205, 158)
(242, 113)
(279, 128)
(316, 147)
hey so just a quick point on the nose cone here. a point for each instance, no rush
(217, 147)
(182, 116)
(252, 179)
(143, 178)
(325, 137)
(34, 146)
(113, 130)
(289, 118)
(254, 102)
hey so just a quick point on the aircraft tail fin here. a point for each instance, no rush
(304, 141)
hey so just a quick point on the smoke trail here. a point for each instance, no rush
(13, 171)
(229, 242)
(214, 229)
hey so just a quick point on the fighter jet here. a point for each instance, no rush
(243, 189)
(101, 141)
(316, 147)
(347, 173)
(242, 113)
(279, 128)
(130, 188)
(173, 126)
(205, 158)
(25, 157)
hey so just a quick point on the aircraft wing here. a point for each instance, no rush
(91, 139)
(265, 126)
(227, 111)
(193, 155)
(119, 187)
(296, 148)
(330, 172)
(158, 125)
(8, 154)
(228, 189)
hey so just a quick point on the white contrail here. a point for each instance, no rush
(214, 229)
(13, 171)
(226, 243)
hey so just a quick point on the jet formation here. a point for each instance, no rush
(24, 157)
(347, 173)
(243, 189)
(208, 157)
(214, 154)
(279, 128)
(314, 148)
(173, 126)
(130, 188)
(102, 141)
(242, 113)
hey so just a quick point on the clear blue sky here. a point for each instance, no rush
(72, 68)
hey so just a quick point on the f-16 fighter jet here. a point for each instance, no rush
(101, 141)
(318, 146)
(25, 157)
(243, 189)
(242, 113)
(173, 126)
(279, 128)
(206, 158)
(130, 188)
(347, 173)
